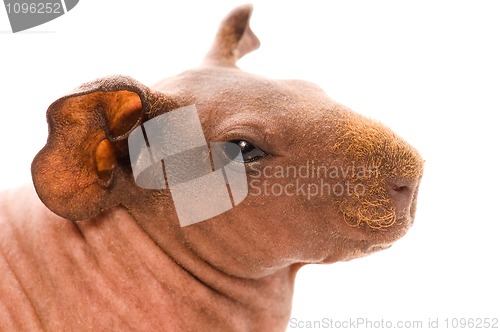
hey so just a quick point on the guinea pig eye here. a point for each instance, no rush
(249, 151)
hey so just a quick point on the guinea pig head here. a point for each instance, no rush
(324, 184)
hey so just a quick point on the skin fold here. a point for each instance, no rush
(84, 248)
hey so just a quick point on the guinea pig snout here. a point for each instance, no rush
(390, 194)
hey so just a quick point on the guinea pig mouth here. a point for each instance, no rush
(366, 250)
(378, 247)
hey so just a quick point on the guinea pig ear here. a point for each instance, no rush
(74, 173)
(233, 40)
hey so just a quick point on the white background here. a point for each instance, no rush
(428, 69)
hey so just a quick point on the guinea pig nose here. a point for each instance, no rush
(403, 192)
(399, 188)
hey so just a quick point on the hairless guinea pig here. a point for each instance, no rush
(95, 245)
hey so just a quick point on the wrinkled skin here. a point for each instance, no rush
(87, 249)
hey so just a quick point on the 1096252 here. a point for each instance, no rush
(34, 8)
(471, 323)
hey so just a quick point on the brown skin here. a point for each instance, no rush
(101, 252)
